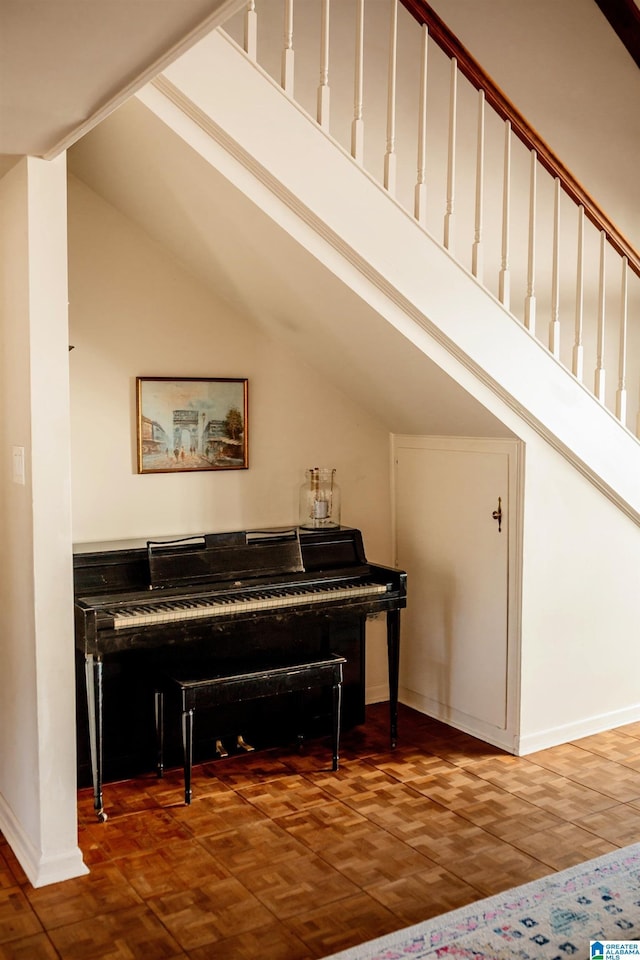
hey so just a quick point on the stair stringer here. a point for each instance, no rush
(281, 159)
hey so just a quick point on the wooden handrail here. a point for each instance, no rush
(471, 69)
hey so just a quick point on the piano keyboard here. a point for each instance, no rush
(168, 611)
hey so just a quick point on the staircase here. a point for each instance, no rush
(383, 241)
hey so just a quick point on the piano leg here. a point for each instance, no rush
(93, 679)
(159, 702)
(187, 746)
(335, 726)
(393, 653)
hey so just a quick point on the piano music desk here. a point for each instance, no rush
(235, 685)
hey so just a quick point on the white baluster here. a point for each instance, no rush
(286, 77)
(323, 89)
(554, 325)
(251, 30)
(476, 250)
(390, 155)
(420, 196)
(578, 348)
(621, 394)
(504, 285)
(357, 126)
(530, 299)
(599, 381)
(449, 219)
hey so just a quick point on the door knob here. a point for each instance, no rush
(497, 514)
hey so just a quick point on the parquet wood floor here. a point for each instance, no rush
(279, 858)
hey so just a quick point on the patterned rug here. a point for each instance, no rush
(555, 918)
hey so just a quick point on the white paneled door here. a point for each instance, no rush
(456, 529)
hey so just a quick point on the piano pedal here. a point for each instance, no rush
(243, 745)
(220, 750)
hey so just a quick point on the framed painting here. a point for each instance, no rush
(191, 423)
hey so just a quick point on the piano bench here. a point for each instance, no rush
(215, 685)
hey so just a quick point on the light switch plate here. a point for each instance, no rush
(18, 465)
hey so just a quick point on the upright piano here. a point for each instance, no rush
(235, 595)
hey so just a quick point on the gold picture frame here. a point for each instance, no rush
(190, 424)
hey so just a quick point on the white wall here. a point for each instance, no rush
(37, 715)
(135, 312)
(580, 659)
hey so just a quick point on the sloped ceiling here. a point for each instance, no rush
(234, 248)
(65, 64)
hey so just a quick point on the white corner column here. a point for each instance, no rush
(38, 811)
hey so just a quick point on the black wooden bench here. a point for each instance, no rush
(222, 683)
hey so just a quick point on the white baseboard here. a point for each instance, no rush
(377, 693)
(39, 868)
(497, 737)
(516, 744)
(530, 743)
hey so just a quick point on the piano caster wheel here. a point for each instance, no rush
(243, 745)
(220, 750)
(102, 817)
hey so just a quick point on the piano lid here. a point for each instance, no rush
(124, 565)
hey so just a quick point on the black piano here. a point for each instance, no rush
(142, 606)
